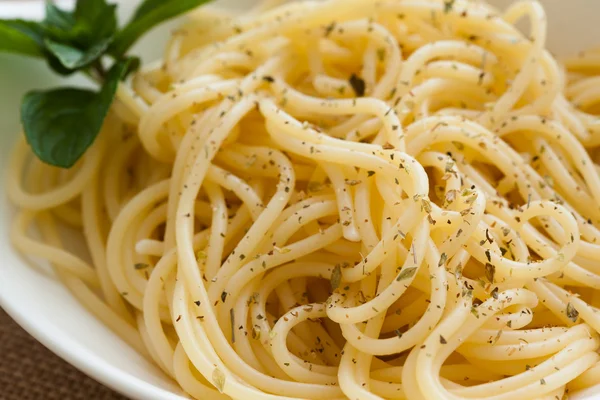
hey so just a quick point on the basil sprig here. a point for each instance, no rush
(62, 123)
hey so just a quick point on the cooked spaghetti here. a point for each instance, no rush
(342, 199)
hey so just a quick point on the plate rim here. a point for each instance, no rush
(87, 362)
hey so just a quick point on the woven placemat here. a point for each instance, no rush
(29, 371)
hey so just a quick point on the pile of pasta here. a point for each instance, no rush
(356, 199)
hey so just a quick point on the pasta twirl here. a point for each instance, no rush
(343, 199)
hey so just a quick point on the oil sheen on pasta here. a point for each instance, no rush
(342, 199)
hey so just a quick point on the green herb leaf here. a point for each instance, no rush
(146, 7)
(256, 332)
(58, 23)
(21, 37)
(497, 336)
(336, 277)
(572, 312)
(61, 124)
(57, 66)
(148, 15)
(76, 39)
(490, 271)
(58, 124)
(96, 21)
(443, 259)
(406, 273)
(448, 4)
(494, 293)
(219, 378)
(72, 58)
(358, 85)
(458, 271)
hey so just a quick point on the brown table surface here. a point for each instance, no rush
(29, 371)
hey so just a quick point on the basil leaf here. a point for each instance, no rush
(59, 24)
(67, 55)
(96, 21)
(55, 64)
(146, 7)
(61, 124)
(117, 73)
(133, 64)
(21, 37)
(72, 58)
(77, 39)
(149, 14)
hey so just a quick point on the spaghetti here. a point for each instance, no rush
(342, 199)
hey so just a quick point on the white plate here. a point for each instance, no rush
(46, 309)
